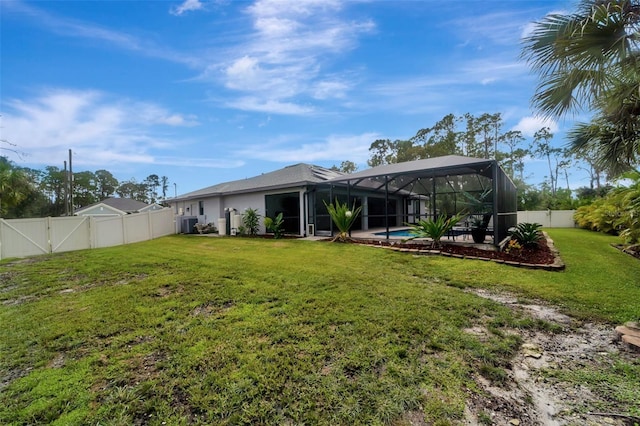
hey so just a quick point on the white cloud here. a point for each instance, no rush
(305, 8)
(269, 106)
(530, 27)
(100, 130)
(498, 28)
(187, 6)
(91, 31)
(330, 89)
(529, 125)
(335, 148)
(281, 61)
(492, 69)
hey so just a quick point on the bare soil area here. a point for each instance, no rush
(529, 396)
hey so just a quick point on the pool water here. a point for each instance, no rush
(396, 233)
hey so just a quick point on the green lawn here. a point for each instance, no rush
(200, 330)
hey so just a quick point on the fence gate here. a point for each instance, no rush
(23, 237)
(69, 233)
(30, 237)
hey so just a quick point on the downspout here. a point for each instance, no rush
(386, 204)
(433, 202)
(494, 186)
(304, 211)
(330, 201)
(349, 199)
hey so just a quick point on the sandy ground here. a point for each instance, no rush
(527, 397)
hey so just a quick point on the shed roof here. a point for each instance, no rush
(290, 176)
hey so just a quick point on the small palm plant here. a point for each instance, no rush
(343, 217)
(434, 229)
(527, 234)
(251, 221)
(275, 225)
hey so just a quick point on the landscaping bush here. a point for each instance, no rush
(527, 234)
(275, 225)
(617, 213)
(251, 221)
(434, 229)
(343, 217)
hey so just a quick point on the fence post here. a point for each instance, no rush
(92, 236)
(49, 243)
(149, 224)
(124, 229)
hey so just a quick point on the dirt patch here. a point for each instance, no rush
(26, 260)
(18, 301)
(208, 309)
(529, 397)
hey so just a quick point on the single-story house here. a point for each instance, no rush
(116, 207)
(290, 191)
(390, 195)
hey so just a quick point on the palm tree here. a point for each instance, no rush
(590, 59)
(14, 185)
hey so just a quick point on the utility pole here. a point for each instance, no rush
(66, 190)
(70, 186)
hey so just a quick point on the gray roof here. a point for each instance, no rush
(447, 164)
(127, 205)
(290, 176)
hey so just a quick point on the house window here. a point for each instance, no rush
(201, 208)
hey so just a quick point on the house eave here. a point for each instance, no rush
(241, 191)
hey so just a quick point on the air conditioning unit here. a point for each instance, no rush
(311, 229)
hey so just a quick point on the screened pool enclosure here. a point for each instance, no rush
(393, 195)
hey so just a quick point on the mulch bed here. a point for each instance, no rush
(633, 251)
(542, 255)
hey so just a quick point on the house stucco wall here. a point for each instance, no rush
(214, 207)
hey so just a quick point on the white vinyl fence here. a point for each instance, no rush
(29, 237)
(548, 218)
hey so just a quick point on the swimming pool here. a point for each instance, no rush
(406, 233)
(396, 233)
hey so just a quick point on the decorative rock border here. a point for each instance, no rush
(557, 265)
(630, 335)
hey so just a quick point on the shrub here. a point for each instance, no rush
(343, 217)
(513, 247)
(617, 213)
(275, 225)
(434, 229)
(526, 234)
(251, 221)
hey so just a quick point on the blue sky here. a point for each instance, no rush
(210, 91)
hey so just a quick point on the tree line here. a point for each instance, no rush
(587, 60)
(26, 192)
(484, 136)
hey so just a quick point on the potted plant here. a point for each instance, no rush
(479, 205)
(479, 224)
